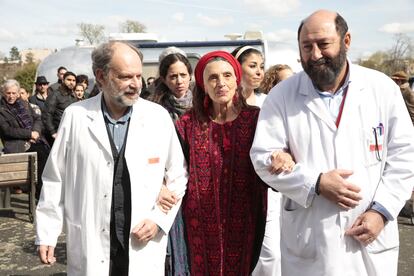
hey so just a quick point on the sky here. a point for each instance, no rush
(54, 24)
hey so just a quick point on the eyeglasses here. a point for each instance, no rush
(43, 84)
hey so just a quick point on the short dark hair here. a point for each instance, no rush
(69, 73)
(61, 68)
(340, 25)
(82, 78)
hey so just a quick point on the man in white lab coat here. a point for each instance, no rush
(104, 173)
(349, 131)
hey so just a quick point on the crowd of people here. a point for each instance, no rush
(221, 170)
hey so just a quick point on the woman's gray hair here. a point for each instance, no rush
(102, 55)
(9, 83)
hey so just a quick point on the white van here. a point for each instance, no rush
(78, 58)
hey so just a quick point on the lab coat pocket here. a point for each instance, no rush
(387, 239)
(74, 246)
(372, 146)
(297, 232)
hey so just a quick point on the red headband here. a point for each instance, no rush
(201, 65)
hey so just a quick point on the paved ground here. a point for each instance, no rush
(18, 256)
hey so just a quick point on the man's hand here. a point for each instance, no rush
(54, 135)
(46, 254)
(336, 188)
(281, 162)
(166, 199)
(35, 135)
(367, 227)
(145, 231)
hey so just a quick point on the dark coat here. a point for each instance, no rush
(38, 100)
(15, 137)
(55, 104)
(408, 96)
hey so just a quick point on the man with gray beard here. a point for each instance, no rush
(349, 132)
(110, 158)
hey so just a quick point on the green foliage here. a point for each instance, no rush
(93, 33)
(132, 26)
(26, 76)
(15, 54)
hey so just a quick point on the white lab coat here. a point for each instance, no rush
(294, 117)
(77, 186)
(268, 263)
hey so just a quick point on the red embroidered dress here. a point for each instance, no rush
(225, 204)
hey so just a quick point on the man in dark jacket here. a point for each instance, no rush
(21, 128)
(401, 79)
(41, 92)
(60, 73)
(56, 104)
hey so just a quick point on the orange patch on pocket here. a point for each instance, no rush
(153, 160)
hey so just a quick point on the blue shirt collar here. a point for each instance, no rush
(121, 120)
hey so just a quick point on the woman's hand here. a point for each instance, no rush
(166, 199)
(281, 162)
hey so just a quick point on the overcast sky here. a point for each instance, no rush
(53, 23)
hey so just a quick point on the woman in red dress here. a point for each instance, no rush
(224, 207)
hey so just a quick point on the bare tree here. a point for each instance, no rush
(132, 26)
(93, 33)
(30, 57)
(395, 59)
(399, 54)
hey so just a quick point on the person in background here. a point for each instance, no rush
(401, 79)
(274, 75)
(173, 93)
(110, 158)
(56, 104)
(41, 92)
(79, 91)
(84, 80)
(24, 95)
(173, 90)
(224, 209)
(21, 128)
(60, 73)
(95, 91)
(351, 137)
(150, 80)
(252, 64)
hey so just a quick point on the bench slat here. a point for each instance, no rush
(15, 157)
(7, 176)
(13, 167)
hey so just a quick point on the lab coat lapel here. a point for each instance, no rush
(97, 124)
(352, 106)
(314, 102)
(136, 130)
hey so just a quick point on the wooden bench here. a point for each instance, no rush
(18, 169)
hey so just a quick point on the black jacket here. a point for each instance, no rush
(38, 100)
(13, 135)
(55, 104)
